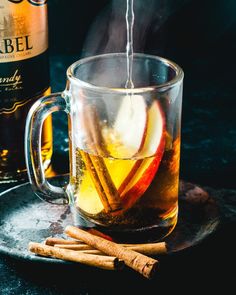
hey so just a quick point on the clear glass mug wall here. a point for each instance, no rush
(124, 145)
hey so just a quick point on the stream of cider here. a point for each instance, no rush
(129, 46)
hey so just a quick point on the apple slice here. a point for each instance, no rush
(152, 149)
(131, 124)
(154, 142)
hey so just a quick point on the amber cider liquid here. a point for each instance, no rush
(149, 197)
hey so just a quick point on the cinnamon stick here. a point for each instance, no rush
(104, 262)
(139, 262)
(96, 181)
(86, 249)
(51, 241)
(147, 249)
(81, 247)
(96, 166)
(94, 133)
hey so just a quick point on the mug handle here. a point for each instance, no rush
(40, 110)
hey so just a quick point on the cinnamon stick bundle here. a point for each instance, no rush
(104, 262)
(143, 264)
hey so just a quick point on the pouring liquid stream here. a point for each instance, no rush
(129, 46)
(129, 49)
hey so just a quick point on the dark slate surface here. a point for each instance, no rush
(25, 218)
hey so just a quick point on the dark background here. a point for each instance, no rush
(199, 35)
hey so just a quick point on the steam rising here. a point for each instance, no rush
(108, 32)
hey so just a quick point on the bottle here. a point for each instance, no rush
(24, 77)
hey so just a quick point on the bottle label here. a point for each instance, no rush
(23, 52)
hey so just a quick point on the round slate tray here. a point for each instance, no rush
(25, 218)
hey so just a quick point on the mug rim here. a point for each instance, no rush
(178, 78)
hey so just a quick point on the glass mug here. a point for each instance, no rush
(124, 145)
